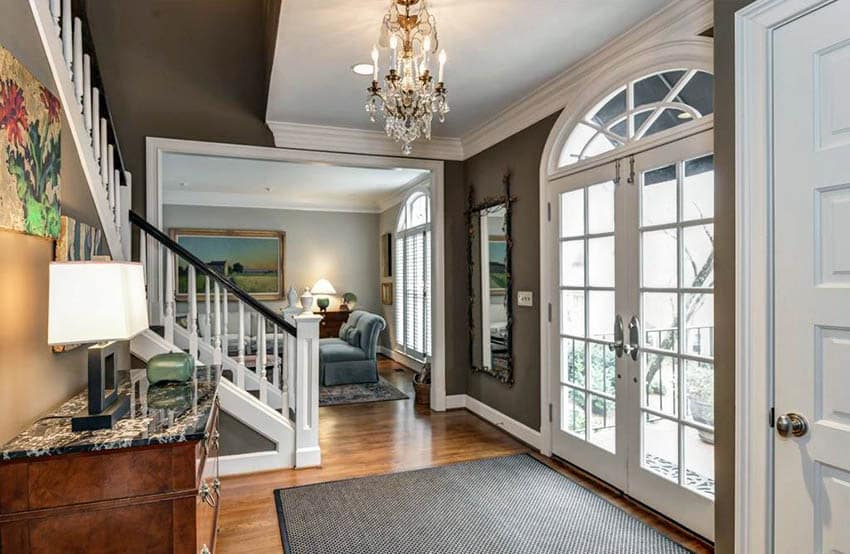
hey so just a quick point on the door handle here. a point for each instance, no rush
(633, 346)
(792, 424)
(618, 345)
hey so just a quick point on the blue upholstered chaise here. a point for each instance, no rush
(353, 357)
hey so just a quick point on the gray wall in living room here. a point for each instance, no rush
(337, 246)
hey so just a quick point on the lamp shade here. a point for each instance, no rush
(323, 286)
(96, 302)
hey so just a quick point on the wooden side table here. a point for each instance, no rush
(332, 320)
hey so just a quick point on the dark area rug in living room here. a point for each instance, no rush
(508, 505)
(359, 393)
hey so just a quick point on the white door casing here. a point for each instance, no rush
(811, 84)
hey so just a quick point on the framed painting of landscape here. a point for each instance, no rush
(251, 260)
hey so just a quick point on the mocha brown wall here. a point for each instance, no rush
(520, 154)
(193, 69)
(724, 271)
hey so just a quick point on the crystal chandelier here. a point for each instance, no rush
(410, 98)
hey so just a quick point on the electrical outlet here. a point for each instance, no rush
(525, 298)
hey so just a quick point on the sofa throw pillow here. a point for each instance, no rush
(343, 331)
(354, 337)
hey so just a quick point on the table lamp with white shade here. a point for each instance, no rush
(102, 303)
(322, 289)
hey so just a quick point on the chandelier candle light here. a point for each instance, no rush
(409, 98)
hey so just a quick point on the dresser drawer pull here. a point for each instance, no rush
(206, 495)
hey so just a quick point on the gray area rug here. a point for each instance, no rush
(359, 393)
(509, 505)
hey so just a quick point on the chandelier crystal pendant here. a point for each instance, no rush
(409, 97)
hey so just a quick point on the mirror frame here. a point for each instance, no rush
(473, 209)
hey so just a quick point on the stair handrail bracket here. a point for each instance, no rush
(272, 358)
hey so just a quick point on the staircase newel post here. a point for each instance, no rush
(192, 324)
(307, 450)
(169, 296)
(216, 334)
(207, 305)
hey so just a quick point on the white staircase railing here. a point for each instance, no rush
(273, 357)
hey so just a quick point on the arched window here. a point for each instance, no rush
(639, 109)
(413, 276)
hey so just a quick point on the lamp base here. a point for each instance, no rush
(103, 420)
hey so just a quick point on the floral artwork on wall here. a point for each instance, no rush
(30, 157)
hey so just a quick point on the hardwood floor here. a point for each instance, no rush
(386, 437)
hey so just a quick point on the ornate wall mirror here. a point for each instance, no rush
(490, 286)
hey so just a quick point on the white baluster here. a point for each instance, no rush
(87, 91)
(67, 43)
(116, 209)
(169, 296)
(143, 252)
(241, 344)
(110, 174)
(95, 117)
(54, 11)
(192, 324)
(225, 342)
(207, 315)
(78, 60)
(104, 166)
(261, 358)
(289, 367)
(217, 323)
(275, 359)
(125, 194)
(113, 199)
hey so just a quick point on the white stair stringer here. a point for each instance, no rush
(242, 406)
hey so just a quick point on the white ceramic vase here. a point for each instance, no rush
(307, 302)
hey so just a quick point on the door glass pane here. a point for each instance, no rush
(572, 263)
(699, 392)
(661, 320)
(660, 446)
(572, 312)
(600, 315)
(698, 256)
(600, 208)
(699, 324)
(698, 189)
(603, 423)
(572, 213)
(659, 253)
(660, 383)
(699, 461)
(603, 369)
(600, 260)
(573, 413)
(572, 361)
(659, 197)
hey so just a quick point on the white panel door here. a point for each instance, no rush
(812, 282)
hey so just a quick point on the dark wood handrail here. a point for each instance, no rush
(190, 258)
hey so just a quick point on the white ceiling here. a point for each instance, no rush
(218, 181)
(499, 51)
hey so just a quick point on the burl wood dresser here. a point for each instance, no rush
(150, 484)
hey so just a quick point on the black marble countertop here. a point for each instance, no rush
(159, 414)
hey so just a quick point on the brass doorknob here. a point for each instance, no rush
(792, 424)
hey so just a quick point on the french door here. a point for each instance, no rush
(633, 326)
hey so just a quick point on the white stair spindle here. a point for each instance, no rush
(113, 193)
(78, 60)
(225, 319)
(125, 194)
(54, 11)
(208, 308)
(87, 92)
(289, 368)
(192, 324)
(275, 359)
(143, 252)
(261, 358)
(241, 344)
(104, 166)
(110, 173)
(169, 296)
(217, 324)
(95, 117)
(67, 42)
(116, 210)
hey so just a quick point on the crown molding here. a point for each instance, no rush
(682, 19)
(358, 141)
(238, 200)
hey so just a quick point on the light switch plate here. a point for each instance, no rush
(525, 298)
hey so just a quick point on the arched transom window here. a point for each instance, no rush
(639, 109)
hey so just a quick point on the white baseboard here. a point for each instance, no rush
(511, 426)
(249, 463)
